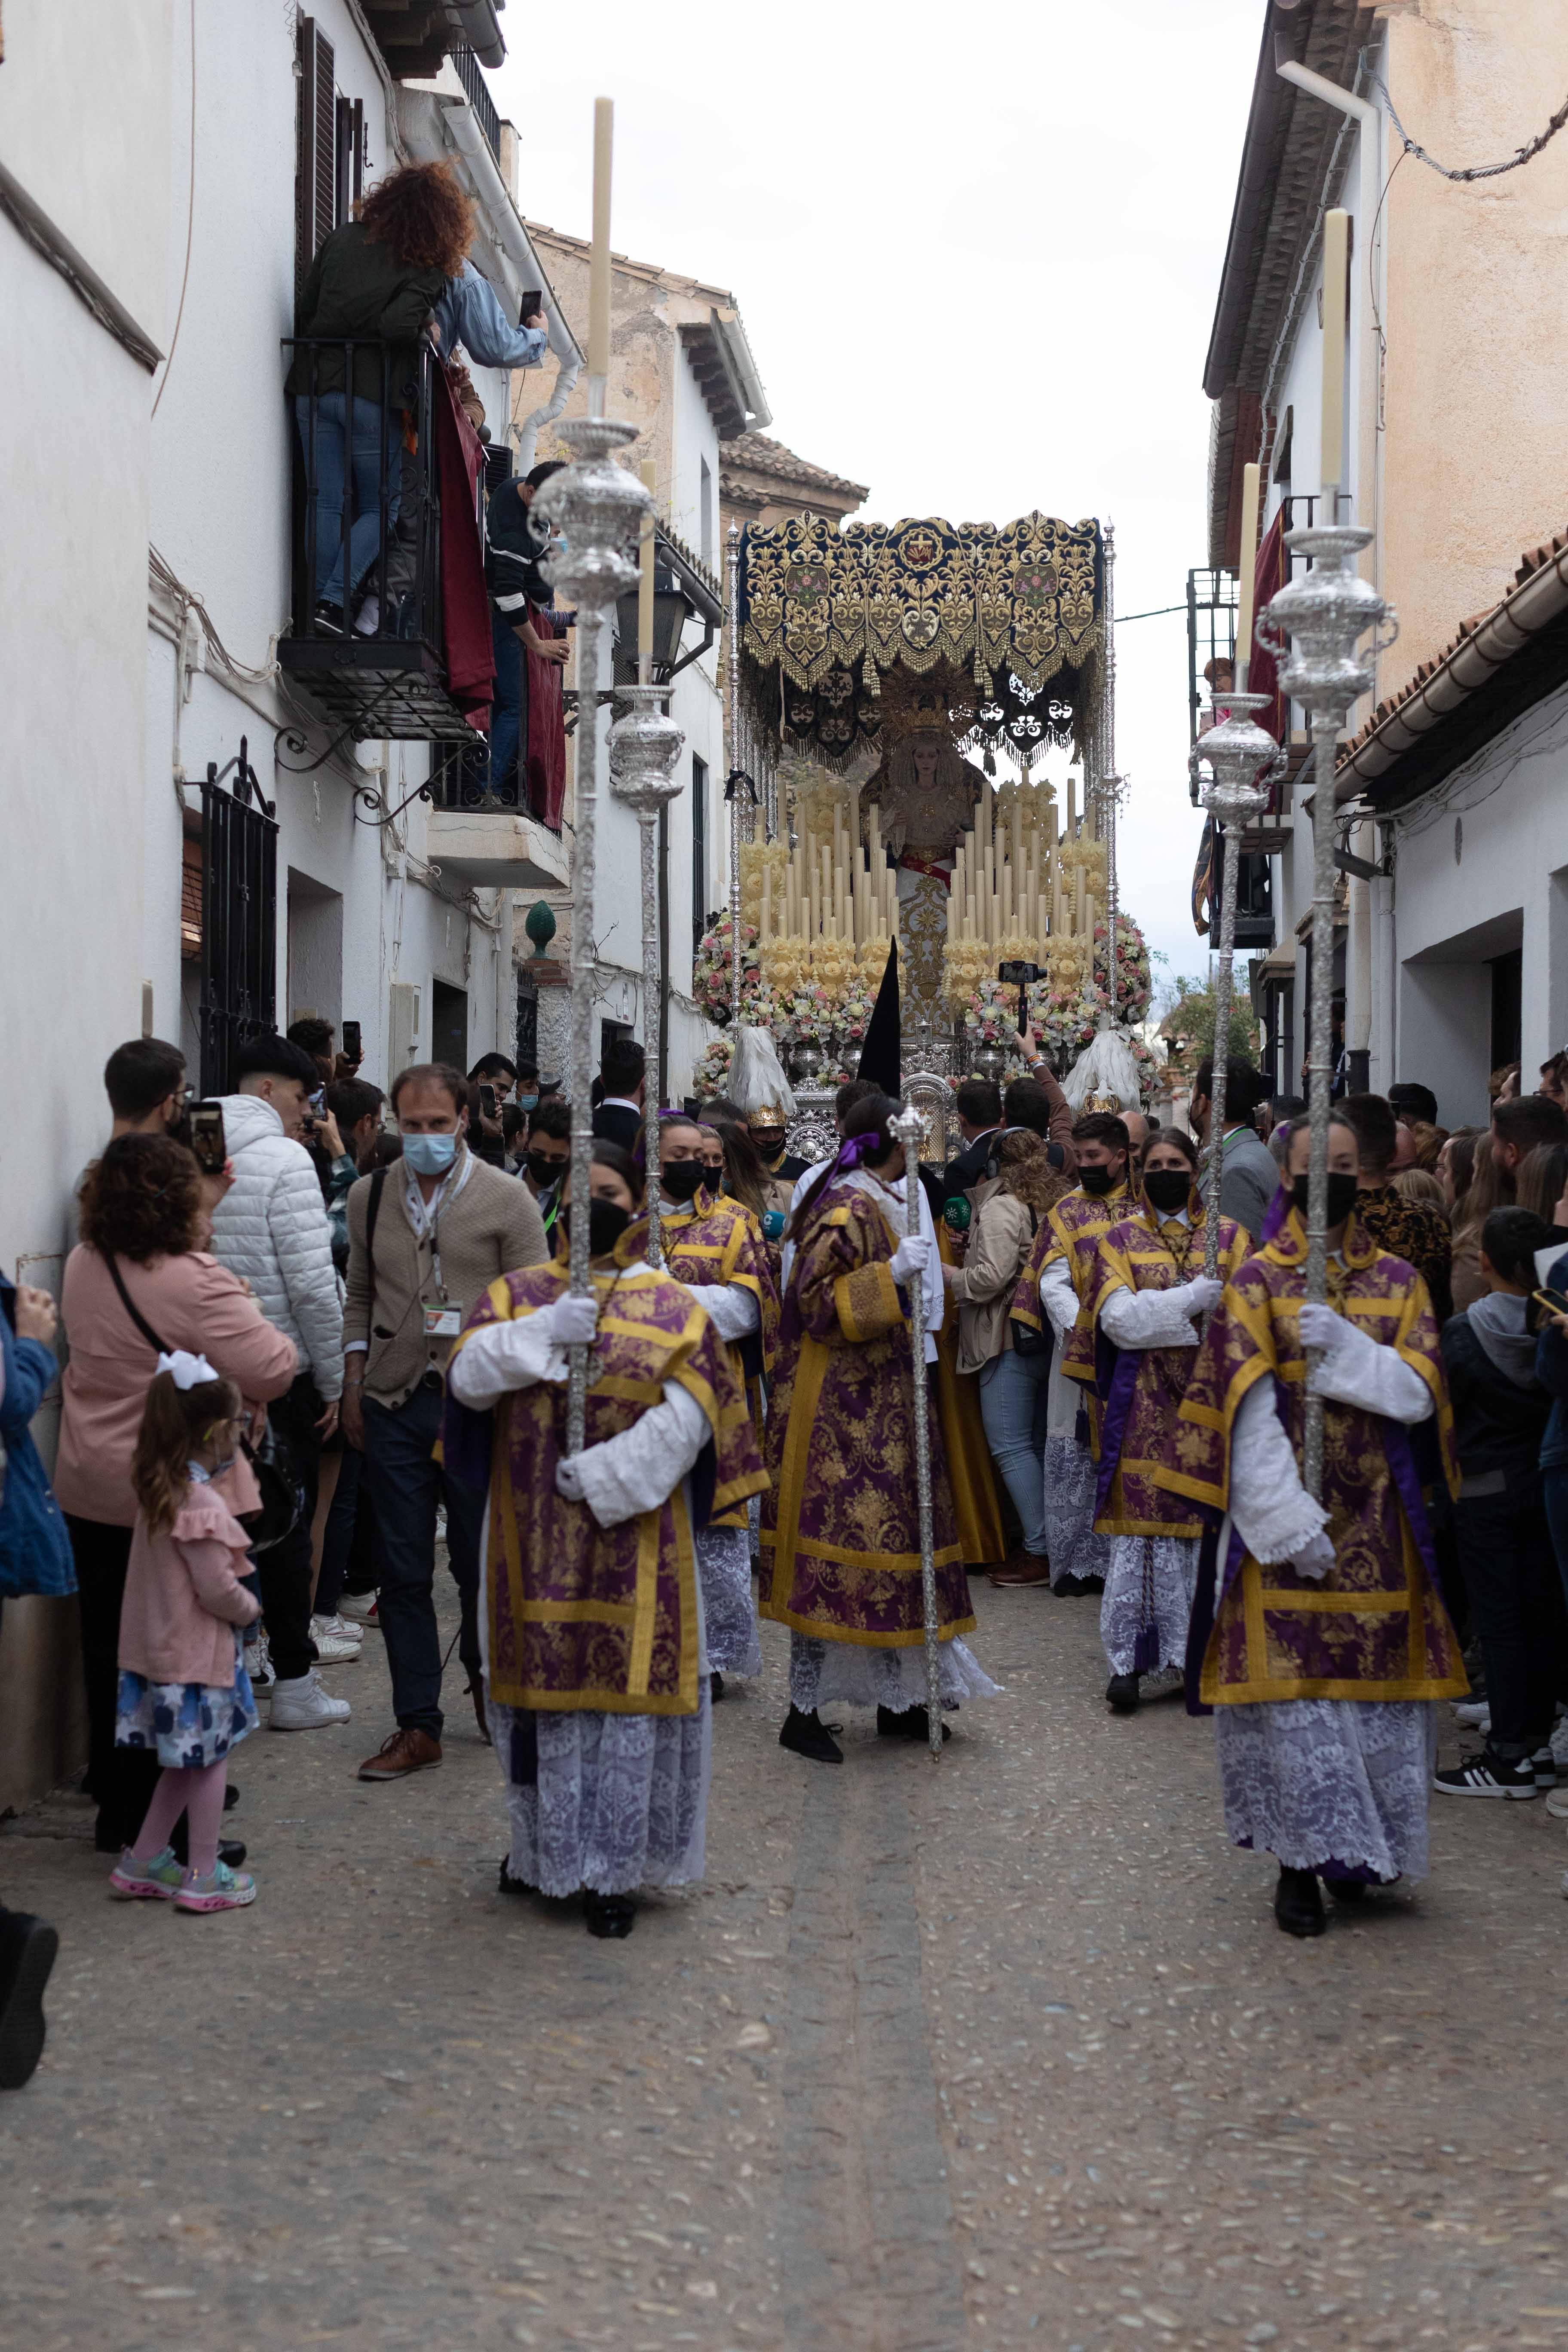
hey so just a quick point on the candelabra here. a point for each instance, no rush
(1324, 612)
(1243, 763)
(909, 1128)
(645, 744)
(596, 509)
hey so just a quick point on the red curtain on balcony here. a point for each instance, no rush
(1268, 578)
(465, 605)
(542, 756)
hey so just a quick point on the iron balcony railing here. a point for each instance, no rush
(368, 638)
(478, 97)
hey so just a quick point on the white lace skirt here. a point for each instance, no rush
(619, 1801)
(1074, 1548)
(724, 1568)
(1152, 1580)
(1323, 1781)
(848, 1674)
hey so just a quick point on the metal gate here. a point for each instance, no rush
(239, 921)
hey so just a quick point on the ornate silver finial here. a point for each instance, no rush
(645, 744)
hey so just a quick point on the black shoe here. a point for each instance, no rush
(1347, 1890)
(1298, 1902)
(1487, 1775)
(329, 619)
(1088, 1584)
(507, 1885)
(1121, 1694)
(715, 1686)
(611, 1915)
(808, 1735)
(27, 1948)
(910, 1723)
(230, 1798)
(1067, 1588)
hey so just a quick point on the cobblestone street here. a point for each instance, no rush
(1008, 2052)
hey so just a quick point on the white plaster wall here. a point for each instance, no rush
(1507, 887)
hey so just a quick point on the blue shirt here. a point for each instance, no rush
(468, 313)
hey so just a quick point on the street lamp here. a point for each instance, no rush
(678, 596)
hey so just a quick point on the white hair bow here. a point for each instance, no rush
(189, 1371)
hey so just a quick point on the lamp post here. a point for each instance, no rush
(1243, 760)
(1325, 612)
(645, 744)
(595, 508)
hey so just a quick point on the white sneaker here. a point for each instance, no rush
(358, 1609)
(367, 620)
(334, 1649)
(1476, 1712)
(1557, 1804)
(341, 1629)
(301, 1705)
(259, 1667)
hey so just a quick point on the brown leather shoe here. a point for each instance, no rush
(404, 1752)
(1024, 1568)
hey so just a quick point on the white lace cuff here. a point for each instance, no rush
(1148, 1318)
(732, 1310)
(1059, 1297)
(1274, 1514)
(642, 1467)
(1355, 1368)
(504, 1356)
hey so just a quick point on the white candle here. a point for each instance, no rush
(599, 264)
(645, 585)
(1247, 574)
(1336, 270)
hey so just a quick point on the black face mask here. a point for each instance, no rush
(1341, 1197)
(1097, 1181)
(1167, 1188)
(545, 1170)
(684, 1179)
(607, 1221)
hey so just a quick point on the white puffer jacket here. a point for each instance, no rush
(272, 1227)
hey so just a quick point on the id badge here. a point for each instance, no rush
(443, 1317)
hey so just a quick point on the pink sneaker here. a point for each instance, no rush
(158, 1881)
(225, 1890)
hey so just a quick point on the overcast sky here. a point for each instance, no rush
(977, 252)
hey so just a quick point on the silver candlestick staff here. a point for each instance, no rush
(645, 744)
(595, 508)
(909, 1128)
(1325, 612)
(1243, 761)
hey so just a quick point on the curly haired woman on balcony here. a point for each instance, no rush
(375, 283)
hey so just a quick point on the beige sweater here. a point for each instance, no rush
(490, 1227)
(1000, 1239)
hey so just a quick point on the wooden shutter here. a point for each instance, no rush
(315, 163)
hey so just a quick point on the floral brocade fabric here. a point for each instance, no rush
(1374, 1627)
(581, 1616)
(841, 1554)
(1073, 1230)
(719, 1241)
(1133, 1256)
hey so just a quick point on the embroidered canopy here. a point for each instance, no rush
(1004, 625)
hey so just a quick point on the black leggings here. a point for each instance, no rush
(121, 1779)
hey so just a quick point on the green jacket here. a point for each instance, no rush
(360, 290)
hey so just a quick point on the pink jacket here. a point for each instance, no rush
(183, 1595)
(191, 1301)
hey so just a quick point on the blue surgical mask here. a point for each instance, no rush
(429, 1155)
(528, 1102)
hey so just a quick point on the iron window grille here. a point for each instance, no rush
(239, 919)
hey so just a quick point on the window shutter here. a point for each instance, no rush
(315, 160)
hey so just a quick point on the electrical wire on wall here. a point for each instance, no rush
(190, 218)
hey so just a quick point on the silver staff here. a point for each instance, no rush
(910, 1129)
(645, 744)
(596, 508)
(1243, 760)
(1325, 612)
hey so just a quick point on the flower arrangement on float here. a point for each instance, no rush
(711, 1075)
(711, 966)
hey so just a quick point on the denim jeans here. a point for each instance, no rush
(1516, 1610)
(404, 1484)
(1013, 1390)
(327, 487)
(509, 712)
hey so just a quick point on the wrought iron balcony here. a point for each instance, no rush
(374, 660)
(488, 839)
(476, 93)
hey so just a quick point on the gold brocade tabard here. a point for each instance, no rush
(717, 1240)
(579, 1616)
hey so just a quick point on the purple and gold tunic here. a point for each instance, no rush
(580, 1616)
(1141, 1388)
(717, 1240)
(1374, 1627)
(1073, 1231)
(841, 1552)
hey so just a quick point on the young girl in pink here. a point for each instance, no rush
(184, 1689)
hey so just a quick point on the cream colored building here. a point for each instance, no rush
(1457, 343)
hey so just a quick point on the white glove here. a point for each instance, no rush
(1316, 1556)
(911, 1256)
(569, 1478)
(572, 1319)
(1320, 1325)
(1201, 1294)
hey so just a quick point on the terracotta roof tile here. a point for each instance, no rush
(758, 454)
